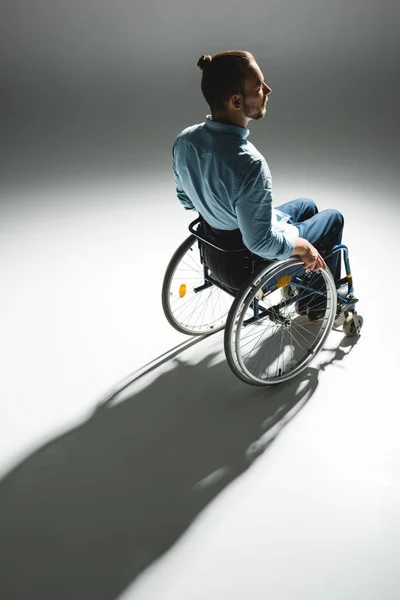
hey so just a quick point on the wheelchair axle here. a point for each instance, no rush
(279, 319)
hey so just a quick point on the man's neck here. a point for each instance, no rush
(228, 120)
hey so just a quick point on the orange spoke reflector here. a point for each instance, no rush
(283, 281)
(182, 290)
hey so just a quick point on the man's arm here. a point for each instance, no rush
(254, 213)
(182, 196)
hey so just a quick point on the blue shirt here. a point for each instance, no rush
(222, 176)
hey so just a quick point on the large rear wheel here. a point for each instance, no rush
(274, 343)
(192, 305)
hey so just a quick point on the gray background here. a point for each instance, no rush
(92, 87)
(93, 95)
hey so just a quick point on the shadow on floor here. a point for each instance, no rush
(86, 513)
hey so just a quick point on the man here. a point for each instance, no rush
(221, 175)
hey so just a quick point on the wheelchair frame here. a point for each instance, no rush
(349, 301)
(250, 306)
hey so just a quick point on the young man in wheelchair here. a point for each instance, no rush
(222, 176)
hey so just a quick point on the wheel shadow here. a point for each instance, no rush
(86, 513)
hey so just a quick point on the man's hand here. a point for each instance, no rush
(309, 255)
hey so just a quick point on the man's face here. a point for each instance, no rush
(256, 92)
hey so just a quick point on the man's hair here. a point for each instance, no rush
(223, 75)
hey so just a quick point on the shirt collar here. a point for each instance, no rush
(242, 132)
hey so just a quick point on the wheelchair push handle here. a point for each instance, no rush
(200, 237)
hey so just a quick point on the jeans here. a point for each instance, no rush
(322, 229)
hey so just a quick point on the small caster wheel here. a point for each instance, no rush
(349, 326)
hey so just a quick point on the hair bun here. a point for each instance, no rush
(203, 61)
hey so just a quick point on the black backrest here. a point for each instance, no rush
(225, 254)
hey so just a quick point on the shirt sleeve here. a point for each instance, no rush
(182, 196)
(253, 208)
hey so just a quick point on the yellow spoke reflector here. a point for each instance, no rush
(285, 280)
(182, 290)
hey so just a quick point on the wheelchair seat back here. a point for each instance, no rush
(225, 254)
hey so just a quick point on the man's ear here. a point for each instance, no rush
(236, 102)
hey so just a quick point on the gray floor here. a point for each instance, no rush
(191, 484)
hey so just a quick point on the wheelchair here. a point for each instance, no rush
(268, 339)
